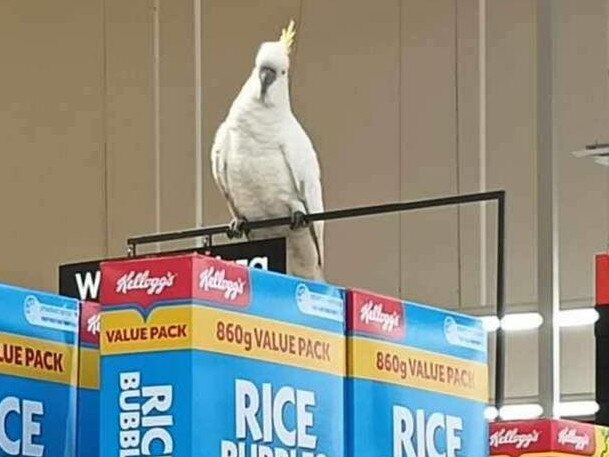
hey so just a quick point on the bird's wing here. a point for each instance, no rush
(301, 161)
(219, 165)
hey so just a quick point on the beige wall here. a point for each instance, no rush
(100, 133)
(52, 157)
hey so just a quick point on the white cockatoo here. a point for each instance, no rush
(264, 164)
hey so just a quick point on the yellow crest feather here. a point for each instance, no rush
(287, 36)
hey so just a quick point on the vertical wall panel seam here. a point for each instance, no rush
(458, 155)
(104, 126)
(482, 153)
(157, 107)
(547, 208)
(400, 143)
(605, 117)
(198, 60)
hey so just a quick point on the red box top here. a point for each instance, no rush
(515, 439)
(145, 282)
(375, 315)
(602, 279)
(90, 323)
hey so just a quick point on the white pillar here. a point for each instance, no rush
(547, 213)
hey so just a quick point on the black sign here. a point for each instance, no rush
(83, 280)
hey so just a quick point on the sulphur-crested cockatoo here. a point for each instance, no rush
(264, 164)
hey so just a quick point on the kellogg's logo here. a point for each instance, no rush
(378, 316)
(153, 285)
(94, 324)
(373, 313)
(224, 283)
(512, 437)
(569, 436)
(90, 323)
(212, 279)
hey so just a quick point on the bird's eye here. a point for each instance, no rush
(283, 72)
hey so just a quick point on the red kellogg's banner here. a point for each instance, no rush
(548, 438)
(90, 319)
(519, 438)
(376, 315)
(143, 282)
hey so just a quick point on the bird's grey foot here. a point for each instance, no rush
(236, 228)
(299, 220)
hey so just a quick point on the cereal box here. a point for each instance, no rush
(202, 357)
(417, 380)
(38, 373)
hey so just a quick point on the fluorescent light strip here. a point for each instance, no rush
(577, 408)
(577, 317)
(490, 323)
(530, 321)
(518, 412)
(534, 410)
(521, 321)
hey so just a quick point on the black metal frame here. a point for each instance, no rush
(499, 196)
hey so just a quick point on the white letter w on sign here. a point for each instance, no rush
(89, 287)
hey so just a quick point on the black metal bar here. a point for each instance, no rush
(500, 336)
(325, 216)
(131, 249)
(498, 195)
(178, 235)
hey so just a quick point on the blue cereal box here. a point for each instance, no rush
(202, 357)
(417, 380)
(38, 373)
(88, 381)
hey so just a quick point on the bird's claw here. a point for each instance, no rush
(236, 228)
(299, 220)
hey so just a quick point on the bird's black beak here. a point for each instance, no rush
(267, 75)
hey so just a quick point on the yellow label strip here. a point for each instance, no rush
(404, 366)
(37, 359)
(271, 341)
(226, 333)
(125, 332)
(89, 368)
